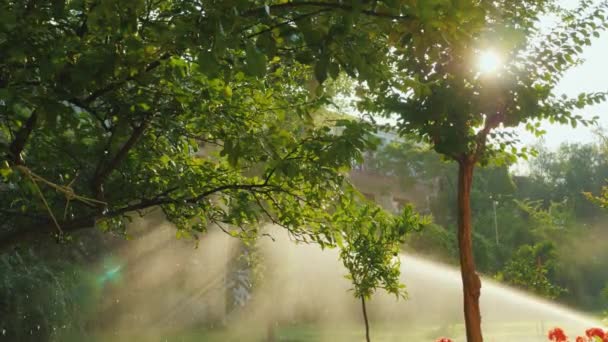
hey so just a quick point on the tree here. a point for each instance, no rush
(531, 268)
(410, 161)
(438, 93)
(370, 247)
(105, 106)
(568, 172)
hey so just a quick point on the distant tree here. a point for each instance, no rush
(576, 252)
(409, 161)
(531, 268)
(438, 92)
(566, 174)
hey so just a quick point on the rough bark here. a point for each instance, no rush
(471, 284)
(363, 307)
(21, 139)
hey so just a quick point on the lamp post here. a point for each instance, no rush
(494, 204)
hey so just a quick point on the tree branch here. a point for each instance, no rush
(327, 5)
(289, 21)
(83, 28)
(101, 172)
(265, 211)
(86, 108)
(41, 229)
(482, 136)
(46, 226)
(112, 86)
(21, 138)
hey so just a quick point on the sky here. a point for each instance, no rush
(591, 76)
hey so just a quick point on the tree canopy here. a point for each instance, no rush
(107, 108)
(438, 91)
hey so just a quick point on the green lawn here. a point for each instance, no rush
(518, 331)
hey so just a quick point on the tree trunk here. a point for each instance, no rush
(471, 284)
(271, 335)
(365, 319)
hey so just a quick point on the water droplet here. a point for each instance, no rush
(3, 332)
(38, 326)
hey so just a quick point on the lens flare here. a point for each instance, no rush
(488, 61)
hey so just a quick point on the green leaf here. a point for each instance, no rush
(208, 64)
(256, 61)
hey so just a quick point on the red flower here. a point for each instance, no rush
(557, 335)
(580, 339)
(443, 339)
(595, 332)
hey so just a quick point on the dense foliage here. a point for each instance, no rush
(105, 106)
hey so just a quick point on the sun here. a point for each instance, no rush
(488, 61)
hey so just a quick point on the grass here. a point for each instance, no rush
(381, 332)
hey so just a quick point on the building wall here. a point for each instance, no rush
(387, 191)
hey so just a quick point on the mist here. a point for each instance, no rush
(167, 287)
